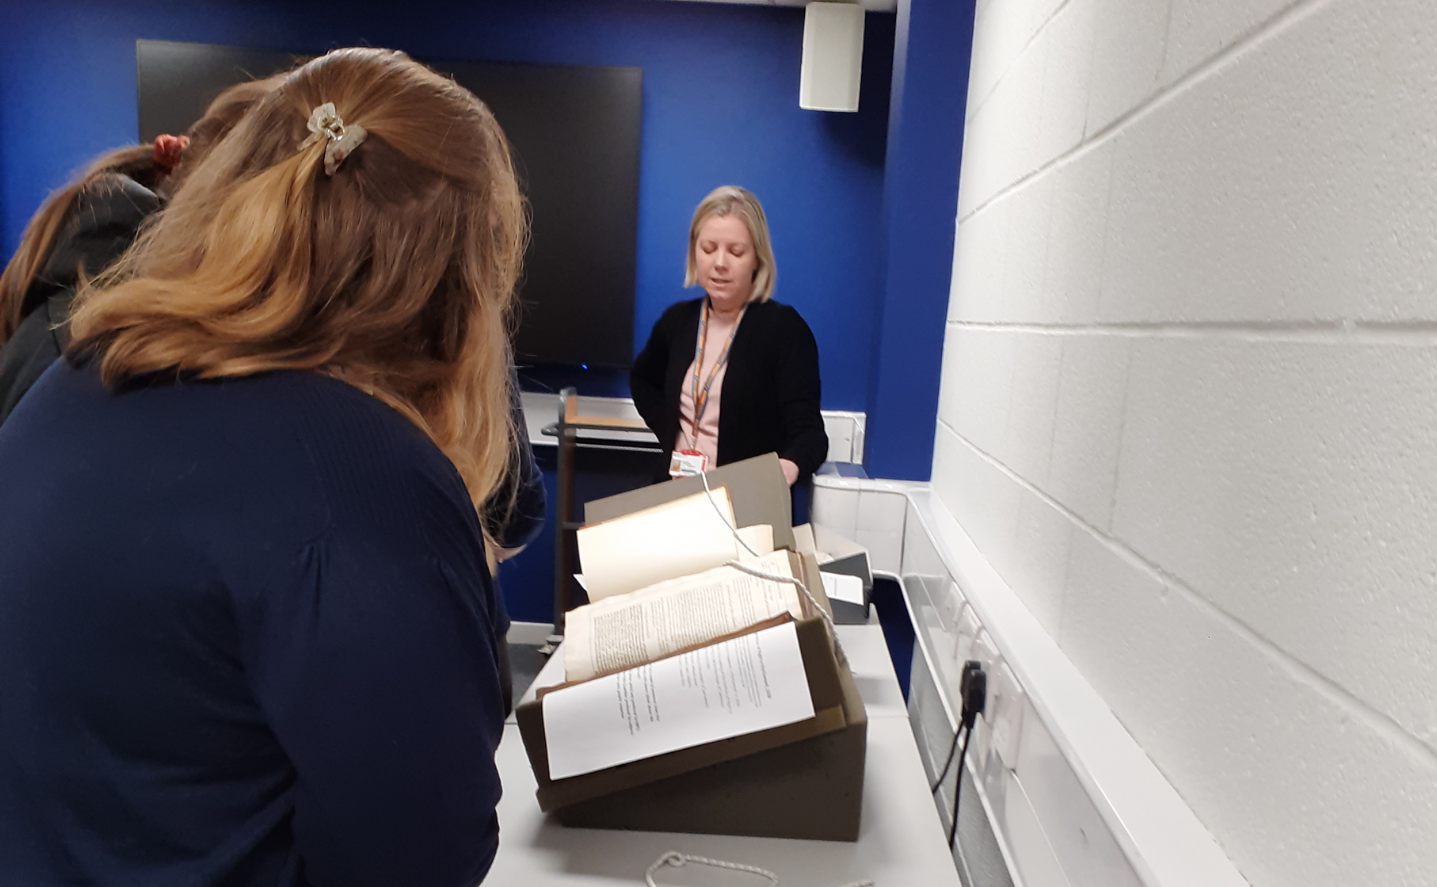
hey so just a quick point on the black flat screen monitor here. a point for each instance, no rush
(575, 135)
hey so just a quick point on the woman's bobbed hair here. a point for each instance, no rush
(731, 200)
(395, 274)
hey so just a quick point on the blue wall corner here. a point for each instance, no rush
(933, 46)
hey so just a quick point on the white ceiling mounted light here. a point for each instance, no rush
(832, 57)
(832, 66)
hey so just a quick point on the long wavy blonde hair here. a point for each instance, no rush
(396, 274)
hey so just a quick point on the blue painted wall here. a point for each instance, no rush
(933, 44)
(864, 240)
(720, 106)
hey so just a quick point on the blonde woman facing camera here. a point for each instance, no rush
(732, 374)
(248, 635)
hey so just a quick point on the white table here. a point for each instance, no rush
(901, 843)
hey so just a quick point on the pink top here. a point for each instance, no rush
(707, 438)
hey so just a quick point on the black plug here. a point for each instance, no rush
(973, 697)
(973, 690)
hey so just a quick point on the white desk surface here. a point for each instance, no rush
(901, 842)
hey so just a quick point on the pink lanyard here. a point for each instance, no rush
(701, 396)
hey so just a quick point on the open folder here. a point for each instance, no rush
(699, 697)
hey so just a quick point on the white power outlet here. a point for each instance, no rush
(949, 601)
(968, 628)
(980, 743)
(981, 748)
(1006, 714)
(943, 642)
(986, 652)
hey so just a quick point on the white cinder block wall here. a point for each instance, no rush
(1189, 402)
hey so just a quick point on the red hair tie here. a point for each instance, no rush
(168, 150)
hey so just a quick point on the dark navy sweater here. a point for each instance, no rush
(247, 637)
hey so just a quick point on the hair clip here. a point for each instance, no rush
(167, 151)
(341, 140)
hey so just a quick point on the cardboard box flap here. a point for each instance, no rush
(810, 790)
(756, 487)
(813, 581)
(563, 793)
(803, 539)
(835, 554)
(827, 545)
(832, 546)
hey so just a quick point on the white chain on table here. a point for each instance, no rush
(679, 860)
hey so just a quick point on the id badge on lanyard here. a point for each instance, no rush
(690, 462)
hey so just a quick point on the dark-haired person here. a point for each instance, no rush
(248, 632)
(731, 374)
(513, 518)
(84, 227)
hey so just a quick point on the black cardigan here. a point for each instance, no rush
(770, 396)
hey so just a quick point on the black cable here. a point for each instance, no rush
(958, 790)
(973, 689)
(973, 696)
(948, 762)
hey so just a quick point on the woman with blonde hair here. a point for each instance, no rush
(247, 627)
(732, 374)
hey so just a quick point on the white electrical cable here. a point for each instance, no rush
(679, 860)
(709, 494)
(743, 568)
(774, 577)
